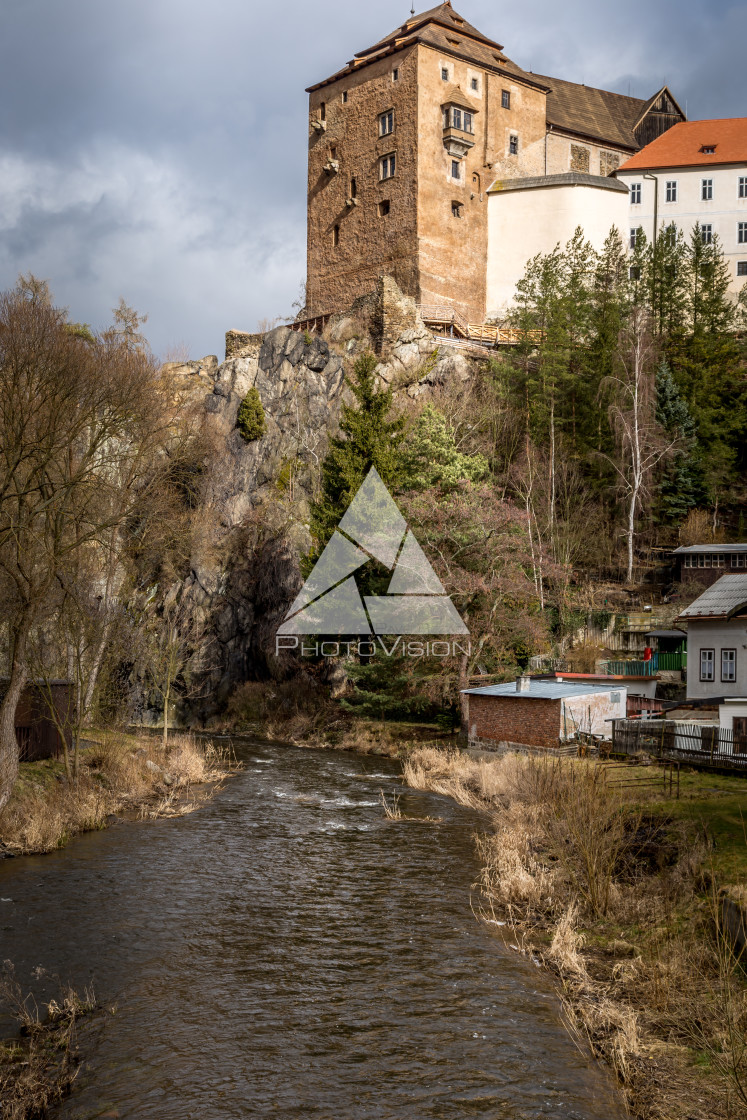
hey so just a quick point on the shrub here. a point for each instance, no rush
(251, 418)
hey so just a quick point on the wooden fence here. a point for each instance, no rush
(700, 745)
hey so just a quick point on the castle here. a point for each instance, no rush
(431, 149)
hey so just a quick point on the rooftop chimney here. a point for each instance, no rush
(522, 684)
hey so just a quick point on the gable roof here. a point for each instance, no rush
(596, 113)
(443, 14)
(682, 144)
(455, 95)
(446, 31)
(723, 599)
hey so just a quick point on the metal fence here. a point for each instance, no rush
(695, 743)
(657, 662)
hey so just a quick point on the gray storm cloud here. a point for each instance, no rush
(157, 150)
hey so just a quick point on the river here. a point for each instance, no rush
(287, 951)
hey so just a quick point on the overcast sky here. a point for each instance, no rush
(156, 149)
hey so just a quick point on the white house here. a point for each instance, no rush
(530, 216)
(695, 172)
(717, 640)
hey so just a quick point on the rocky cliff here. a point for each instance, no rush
(253, 524)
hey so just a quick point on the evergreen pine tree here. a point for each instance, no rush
(681, 484)
(369, 438)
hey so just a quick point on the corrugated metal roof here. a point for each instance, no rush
(543, 690)
(723, 598)
(692, 549)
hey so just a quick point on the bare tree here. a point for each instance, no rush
(641, 441)
(76, 422)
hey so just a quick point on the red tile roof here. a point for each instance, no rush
(687, 144)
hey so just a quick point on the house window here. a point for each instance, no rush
(671, 190)
(739, 560)
(742, 233)
(513, 145)
(741, 268)
(634, 272)
(708, 149)
(634, 237)
(707, 662)
(344, 97)
(444, 74)
(505, 99)
(386, 123)
(635, 194)
(457, 210)
(706, 233)
(336, 236)
(742, 188)
(387, 166)
(395, 74)
(456, 171)
(706, 190)
(475, 85)
(384, 208)
(728, 665)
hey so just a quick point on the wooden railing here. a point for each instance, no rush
(446, 320)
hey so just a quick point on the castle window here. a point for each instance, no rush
(633, 237)
(344, 97)
(671, 190)
(468, 122)
(742, 233)
(635, 194)
(387, 166)
(333, 153)
(513, 145)
(634, 272)
(475, 85)
(741, 268)
(456, 118)
(457, 210)
(353, 188)
(444, 74)
(742, 187)
(456, 171)
(336, 236)
(323, 111)
(505, 99)
(706, 190)
(386, 123)
(476, 181)
(384, 208)
(706, 234)
(395, 74)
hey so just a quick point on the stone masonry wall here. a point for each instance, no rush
(500, 719)
(370, 243)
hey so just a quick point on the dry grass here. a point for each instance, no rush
(618, 901)
(119, 774)
(38, 1068)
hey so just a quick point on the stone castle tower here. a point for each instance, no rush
(406, 140)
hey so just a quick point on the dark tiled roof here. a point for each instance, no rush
(596, 113)
(724, 598)
(443, 13)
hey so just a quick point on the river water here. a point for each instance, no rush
(287, 951)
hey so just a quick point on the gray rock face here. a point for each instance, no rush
(254, 511)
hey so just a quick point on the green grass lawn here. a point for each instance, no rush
(716, 802)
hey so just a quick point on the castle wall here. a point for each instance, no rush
(453, 246)
(567, 153)
(370, 243)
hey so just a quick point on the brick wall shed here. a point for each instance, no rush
(515, 720)
(542, 713)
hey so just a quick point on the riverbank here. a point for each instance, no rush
(120, 775)
(614, 888)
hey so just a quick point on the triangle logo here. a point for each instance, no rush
(372, 528)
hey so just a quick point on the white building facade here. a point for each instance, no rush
(695, 173)
(717, 640)
(533, 215)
